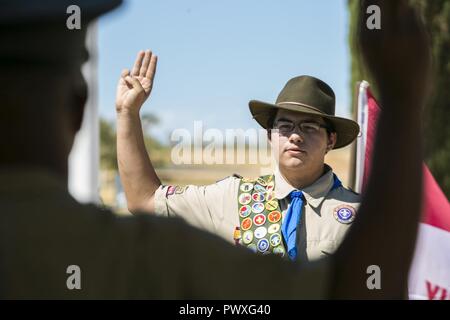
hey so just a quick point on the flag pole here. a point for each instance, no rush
(362, 119)
(352, 167)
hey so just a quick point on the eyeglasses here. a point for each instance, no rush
(307, 127)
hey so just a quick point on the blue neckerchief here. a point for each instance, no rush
(292, 218)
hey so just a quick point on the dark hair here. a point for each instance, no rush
(330, 127)
(271, 120)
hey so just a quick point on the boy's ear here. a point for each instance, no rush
(332, 137)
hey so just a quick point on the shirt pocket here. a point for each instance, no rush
(327, 247)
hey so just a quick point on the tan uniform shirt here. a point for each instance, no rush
(44, 230)
(215, 208)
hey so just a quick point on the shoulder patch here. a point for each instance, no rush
(170, 190)
(344, 213)
(175, 190)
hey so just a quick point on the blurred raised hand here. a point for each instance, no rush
(135, 87)
(398, 58)
(398, 55)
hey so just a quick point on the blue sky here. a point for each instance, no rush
(215, 56)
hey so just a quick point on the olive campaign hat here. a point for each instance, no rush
(307, 95)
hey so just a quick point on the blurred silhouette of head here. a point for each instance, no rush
(43, 92)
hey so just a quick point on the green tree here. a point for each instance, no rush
(108, 149)
(159, 152)
(436, 15)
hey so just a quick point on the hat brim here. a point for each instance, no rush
(347, 130)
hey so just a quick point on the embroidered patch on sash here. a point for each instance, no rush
(237, 235)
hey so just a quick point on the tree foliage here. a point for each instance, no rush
(108, 149)
(108, 144)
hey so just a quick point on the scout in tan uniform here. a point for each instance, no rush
(44, 230)
(257, 213)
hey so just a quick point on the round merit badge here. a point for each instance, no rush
(261, 181)
(272, 205)
(260, 232)
(258, 207)
(246, 224)
(259, 219)
(245, 198)
(275, 239)
(258, 197)
(269, 196)
(270, 186)
(247, 237)
(274, 216)
(246, 187)
(344, 214)
(259, 188)
(279, 251)
(263, 245)
(245, 211)
(274, 228)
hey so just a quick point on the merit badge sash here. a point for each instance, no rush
(260, 216)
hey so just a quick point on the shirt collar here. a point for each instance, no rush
(314, 193)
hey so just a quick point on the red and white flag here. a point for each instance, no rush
(429, 276)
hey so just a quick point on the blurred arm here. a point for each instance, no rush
(385, 231)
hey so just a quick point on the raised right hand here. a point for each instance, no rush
(133, 89)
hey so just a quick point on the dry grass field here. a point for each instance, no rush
(203, 174)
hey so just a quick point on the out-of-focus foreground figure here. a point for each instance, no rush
(44, 231)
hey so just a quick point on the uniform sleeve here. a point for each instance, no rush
(201, 206)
